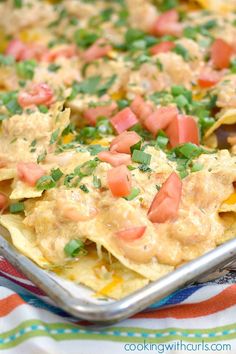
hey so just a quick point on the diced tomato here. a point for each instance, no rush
(167, 24)
(23, 51)
(92, 114)
(119, 181)
(124, 120)
(3, 201)
(183, 129)
(114, 158)
(165, 205)
(29, 172)
(67, 51)
(163, 47)
(124, 141)
(15, 48)
(38, 94)
(221, 53)
(160, 119)
(97, 50)
(131, 234)
(141, 108)
(208, 77)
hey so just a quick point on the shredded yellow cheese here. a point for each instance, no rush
(110, 286)
(232, 199)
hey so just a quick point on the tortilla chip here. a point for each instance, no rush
(152, 270)
(229, 205)
(229, 221)
(226, 117)
(220, 6)
(106, 277)
(61, 118)
(23, 238)
(21, 190)
(7, 173)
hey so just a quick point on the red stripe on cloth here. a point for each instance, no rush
(8, 304)
(219, 302)
(32, 288)
(7, 267)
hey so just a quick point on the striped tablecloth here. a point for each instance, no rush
(200, 318)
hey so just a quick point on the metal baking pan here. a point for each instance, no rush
(80, 302)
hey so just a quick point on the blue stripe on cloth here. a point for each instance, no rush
(176, 298)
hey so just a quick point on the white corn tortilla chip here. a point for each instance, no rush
(107, 279)
(23, 238)
(152, 270)
(7, 173)
(21, 190)
(229, 205)
(227, 117)
(229, 221)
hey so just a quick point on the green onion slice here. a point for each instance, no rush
(141, 157)
(75, 248)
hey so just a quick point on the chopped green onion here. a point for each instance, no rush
(190, 150)
(131, 168)
(180, 50)
(54, 136)
(197, 167)
(136, 146)
(42, 108)
(97, 182)
(144, 168)
(56, 174)
(6, 60)
(42, 156)
(122, 104)
(87, 168)
(95, 149)
(16, 207)
(84, 38)
(84, 188)
(134, 193)
(75, 248)
(53, 67)
(166, 5)
(33, 143)
(183, 174)
(45, 183)
(190, 32)
(162, 140)
(68, 129)
(25, 69)
(10, 101)
(141, 157)
(18, 4)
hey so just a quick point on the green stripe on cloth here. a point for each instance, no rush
(62, 331)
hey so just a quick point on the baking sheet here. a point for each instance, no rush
(80, 302)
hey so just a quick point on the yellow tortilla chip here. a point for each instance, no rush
(61, 118)
(21, 190)
(152, 270)
(7, 173)
(23, 238)
(220, 6)
(229, 205)
(106, 277)
(228, 117)
(229, 221)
